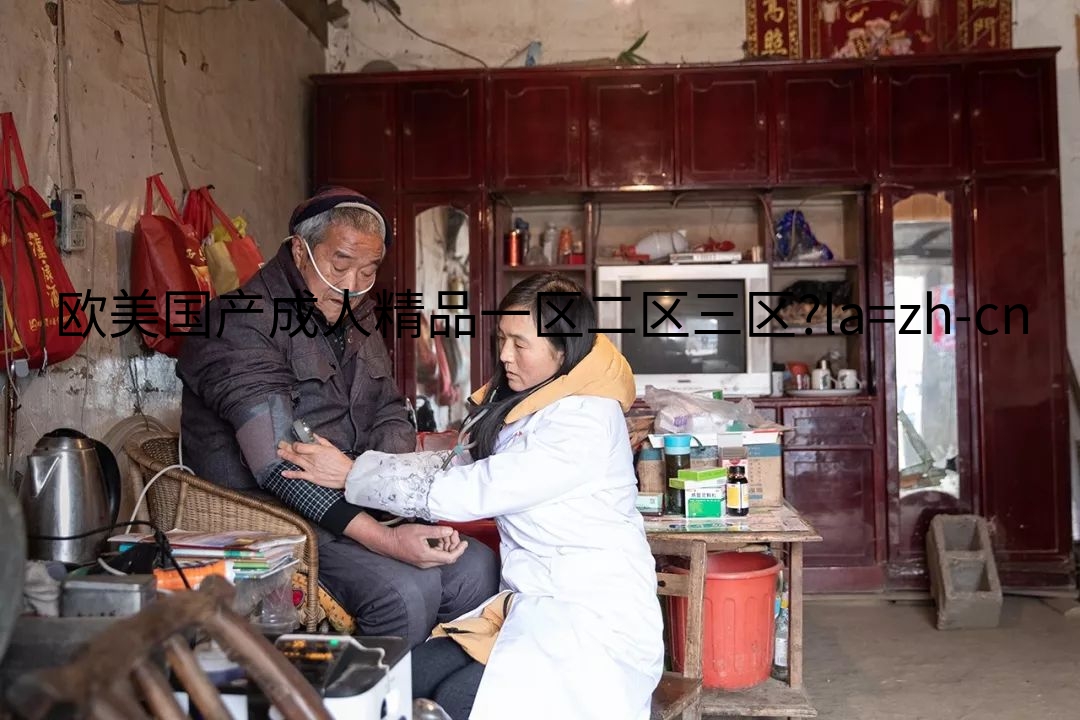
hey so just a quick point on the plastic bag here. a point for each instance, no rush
(678, 412)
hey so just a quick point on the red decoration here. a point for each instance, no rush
(772, 28)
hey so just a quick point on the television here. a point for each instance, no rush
(688, 327)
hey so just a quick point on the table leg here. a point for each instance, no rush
(795, 640)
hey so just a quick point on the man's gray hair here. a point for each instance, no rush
(314, 228)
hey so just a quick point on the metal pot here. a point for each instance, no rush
(72, 487)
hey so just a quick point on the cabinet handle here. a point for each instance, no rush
(407, 131)
(761, 120)
(976, 112)
(782, 121)
(388, 132)
(573, 129)
(594, 127)
(956, 116)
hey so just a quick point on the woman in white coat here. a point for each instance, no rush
(582, 637)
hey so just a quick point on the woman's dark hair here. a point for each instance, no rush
(566, 316)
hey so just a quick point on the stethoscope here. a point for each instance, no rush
(461, 446)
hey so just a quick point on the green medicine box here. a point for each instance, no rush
(705, 502)
(716, 473)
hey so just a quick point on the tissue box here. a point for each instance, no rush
(705, 502)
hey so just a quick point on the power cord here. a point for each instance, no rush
(160, 538)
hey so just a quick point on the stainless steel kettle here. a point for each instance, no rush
(72, 487)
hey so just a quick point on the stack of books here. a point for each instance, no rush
(246, 555)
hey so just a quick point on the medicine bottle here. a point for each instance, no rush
(738, 491)
(676, 458)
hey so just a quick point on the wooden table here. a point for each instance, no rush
(779, 526)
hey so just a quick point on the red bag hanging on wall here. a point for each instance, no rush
(232, 261)
(167, 262)
(31, 269)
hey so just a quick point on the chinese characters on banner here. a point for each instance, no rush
(772, 28)
(984, 24)
(875, 28)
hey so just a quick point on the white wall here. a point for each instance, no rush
(236, 94)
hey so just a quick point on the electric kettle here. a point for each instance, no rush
(72, 487)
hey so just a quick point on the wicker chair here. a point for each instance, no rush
(121, 669)
(179, 499)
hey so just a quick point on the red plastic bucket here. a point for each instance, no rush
(740, 597)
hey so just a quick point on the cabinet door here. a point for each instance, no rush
(834, 490)
(926, 359)
(631, 130)
(443, 254)
(442, 144)
(1021, 379)
(821, 125)
(1013, 115)
(920, 129)
(723, 126)
(536, 133)
(355, 140)
(829, 476)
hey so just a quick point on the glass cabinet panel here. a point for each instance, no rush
(443, 362)
(926, 392)
(927, 402)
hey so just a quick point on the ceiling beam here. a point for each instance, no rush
(316, 14)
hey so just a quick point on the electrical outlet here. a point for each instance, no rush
(75, 220)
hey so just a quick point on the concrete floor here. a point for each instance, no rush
(871, 660)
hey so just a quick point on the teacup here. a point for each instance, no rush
(848, 379)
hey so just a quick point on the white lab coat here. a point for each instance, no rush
(584, 636)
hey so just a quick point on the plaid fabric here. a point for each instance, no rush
(310, 500)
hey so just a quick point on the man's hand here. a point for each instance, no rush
(424, 546)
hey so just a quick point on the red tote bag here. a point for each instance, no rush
(167, 263)
(31, 268)
(232, 261)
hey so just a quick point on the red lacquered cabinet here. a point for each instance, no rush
(1024, 408)
(1013, 107)
(723, 127)
(442, 134)
(631, 134)
(981, 126)
(356, 134)
(920, 128)
(821, 124)
(536, 132)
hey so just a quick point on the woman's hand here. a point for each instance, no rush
(319, 462)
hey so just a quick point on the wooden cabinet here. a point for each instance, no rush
(1024, 423)
(1013, 108)
(832, 489)
(830, 475)
(821, 124)
(536, 133)
(442, 129)
(631, 138)
(356, 135)
(723, 127)
(920, 128)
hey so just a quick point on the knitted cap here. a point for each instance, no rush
(328, 198)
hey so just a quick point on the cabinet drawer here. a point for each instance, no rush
(829, 426)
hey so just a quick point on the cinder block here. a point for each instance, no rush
(963, 575)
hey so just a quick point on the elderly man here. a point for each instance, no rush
(244, 389)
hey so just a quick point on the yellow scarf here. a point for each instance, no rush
(604, 372)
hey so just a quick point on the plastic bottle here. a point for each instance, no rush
(780, 654)
(551, 243)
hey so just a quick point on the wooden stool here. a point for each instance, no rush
(680, 694)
